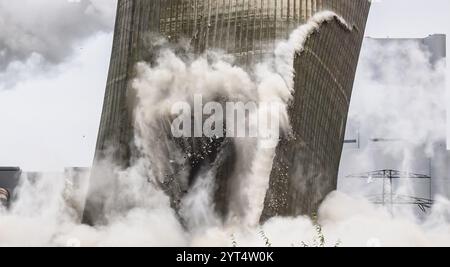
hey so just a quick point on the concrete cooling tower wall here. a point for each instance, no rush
(305, 167)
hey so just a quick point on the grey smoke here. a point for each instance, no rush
(38, 34)
(399, 93)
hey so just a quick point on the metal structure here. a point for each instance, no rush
(306, 165)
(388, 195)
(9, 179)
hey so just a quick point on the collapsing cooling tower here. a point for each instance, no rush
(306, 164)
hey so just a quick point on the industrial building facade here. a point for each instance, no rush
(306, 165)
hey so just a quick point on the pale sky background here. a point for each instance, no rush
(53, 70)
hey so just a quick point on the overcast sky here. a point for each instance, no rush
(54, 57)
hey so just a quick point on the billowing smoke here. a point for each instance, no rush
(37, 34)
(174, 78)
(400, 93)
(140, 213)
(399, 109)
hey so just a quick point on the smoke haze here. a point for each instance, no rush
(400, 100)
(39, 34)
